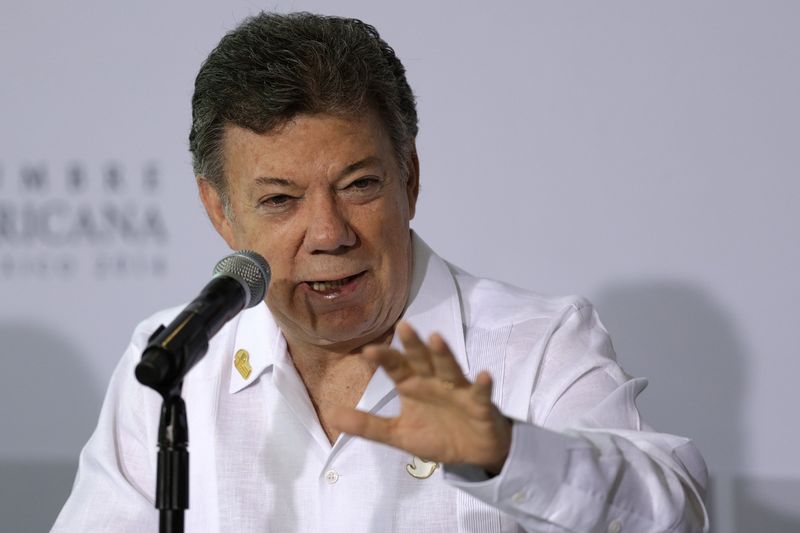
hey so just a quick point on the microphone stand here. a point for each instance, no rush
(172, 475)
(172, 471)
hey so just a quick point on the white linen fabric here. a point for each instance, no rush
(581, 459)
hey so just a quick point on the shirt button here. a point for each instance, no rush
(615, 526)
(331, 476)
(519, 497)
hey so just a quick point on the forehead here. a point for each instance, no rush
(306, 146)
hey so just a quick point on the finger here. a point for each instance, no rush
(393, 362)
(482, 387)
(361, 424)
(432, 391)
(444, 363)
(417, 353)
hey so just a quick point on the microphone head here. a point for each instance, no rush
(250, 270)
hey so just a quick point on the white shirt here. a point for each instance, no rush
(581, 459)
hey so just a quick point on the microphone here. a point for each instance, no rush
(240, 281)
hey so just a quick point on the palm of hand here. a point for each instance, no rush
(443, 416)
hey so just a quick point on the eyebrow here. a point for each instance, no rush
(268, 180)
(358, 165)
(349, 169)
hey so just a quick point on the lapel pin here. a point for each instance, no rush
(421, 469)
(242, 363)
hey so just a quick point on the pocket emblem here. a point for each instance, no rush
(420, 468)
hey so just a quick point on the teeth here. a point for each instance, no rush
(323, 286)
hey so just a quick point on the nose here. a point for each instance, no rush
(328, 229)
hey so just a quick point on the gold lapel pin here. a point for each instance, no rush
(242, 363)
(421, 469)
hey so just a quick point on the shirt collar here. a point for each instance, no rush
(434, 303)
(434, 306)
(258, 335)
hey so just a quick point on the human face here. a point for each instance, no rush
(323, 199)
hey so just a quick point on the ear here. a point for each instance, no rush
(412, 183)
(215, 208)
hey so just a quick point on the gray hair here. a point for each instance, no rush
(273, 67)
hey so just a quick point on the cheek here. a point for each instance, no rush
(282, 294)
(393, 244)
(253, 231)
(279, 292)
(388, 219)
(241, 229)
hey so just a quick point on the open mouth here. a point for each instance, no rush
(332, 286)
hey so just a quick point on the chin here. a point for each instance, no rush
(345, 332)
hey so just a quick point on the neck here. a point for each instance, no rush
(321, 360)
(333, 377)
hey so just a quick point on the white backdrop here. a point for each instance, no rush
(643, 154)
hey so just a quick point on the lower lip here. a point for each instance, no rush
(338, 292)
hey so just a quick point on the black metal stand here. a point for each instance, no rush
(172, 477)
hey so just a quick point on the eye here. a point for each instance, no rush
(364, 183)
(363, 189)
(278, 200)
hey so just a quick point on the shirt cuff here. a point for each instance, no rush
(534, 470)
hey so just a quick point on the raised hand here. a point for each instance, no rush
(443, 416)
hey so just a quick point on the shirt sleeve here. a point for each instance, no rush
(584, 461)
(114, 490)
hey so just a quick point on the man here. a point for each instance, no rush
(502, 410)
